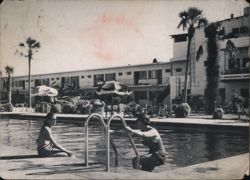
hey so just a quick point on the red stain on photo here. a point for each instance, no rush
(111, 36)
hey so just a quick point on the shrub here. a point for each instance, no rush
(182, 110)
(68, 108)
(218, 114)
(56, 108)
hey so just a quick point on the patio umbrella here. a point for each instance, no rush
(44, 91)
(113, 87)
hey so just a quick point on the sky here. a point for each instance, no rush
(89, 34)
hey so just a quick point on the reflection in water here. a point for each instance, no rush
(184, 146)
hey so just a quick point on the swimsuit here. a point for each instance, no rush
(45, 150)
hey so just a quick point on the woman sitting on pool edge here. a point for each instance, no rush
(46, 144)
(157, 154)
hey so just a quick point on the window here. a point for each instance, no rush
(38, 82)
(45, 82)
(235, 30)
(178, 69)
(128, 73)
(245, 61)
(89, 76)
(82, 77)
(52, 79)
(234, 63)
(142, 75)
(57, 78)
(152, 74)
(19, 83)
(167, 70)
(120, 74)
(98, 79)
(180, 38)
(110, 77)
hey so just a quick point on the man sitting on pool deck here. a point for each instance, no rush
(46, 144)
(151, 138)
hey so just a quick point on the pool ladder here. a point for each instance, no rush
(108, 139)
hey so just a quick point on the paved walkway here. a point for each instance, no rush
(31, 167)
(228, 119)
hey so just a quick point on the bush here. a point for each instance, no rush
(68, 108)
(182, 110)
(83, 106)
(218, 114)
(56, 108)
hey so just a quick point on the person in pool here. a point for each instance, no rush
(151, 138)
(46, 144)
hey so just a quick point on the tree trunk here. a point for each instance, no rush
(212, 70)
(9, 89)
(186, 72)
(29, 82)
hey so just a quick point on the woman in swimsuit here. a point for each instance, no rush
(46, 144)
(151, 138)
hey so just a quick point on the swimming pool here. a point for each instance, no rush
(185, 146)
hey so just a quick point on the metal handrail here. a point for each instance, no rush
(130, 138)
(105, 131)
(87, 134)
(108, 140)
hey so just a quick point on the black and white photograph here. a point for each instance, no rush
(124, 89)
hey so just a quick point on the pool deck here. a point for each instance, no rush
(30, 167)
(229, 120)
(17, 163)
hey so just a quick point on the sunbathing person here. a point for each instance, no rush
(157, 154)
(46, 144)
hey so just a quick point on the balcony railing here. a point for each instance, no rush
(236, 71)
(147, 81)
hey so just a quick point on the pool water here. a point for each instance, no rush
(185, 146)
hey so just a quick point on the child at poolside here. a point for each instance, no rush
(46, 144)
(151, 138)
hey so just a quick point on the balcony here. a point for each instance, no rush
(236, 71)
(147, 81)
(235, 74)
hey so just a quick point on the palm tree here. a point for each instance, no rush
(31, 44)
(190, 19)
(212, 70)
(9, 71)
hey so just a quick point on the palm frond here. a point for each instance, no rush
(202, 22)
(183, 24)
(9, 70)
(194, 12)
(30, 42)
(183, 14)
(184, 20)
(36, 45)
(21, 45)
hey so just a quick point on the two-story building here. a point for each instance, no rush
(234, 71)
(145, 80)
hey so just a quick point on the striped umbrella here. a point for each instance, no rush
(44, 91)
(113, 87)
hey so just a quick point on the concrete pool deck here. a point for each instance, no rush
(29, 167)
(229, 120)
(17, 163)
